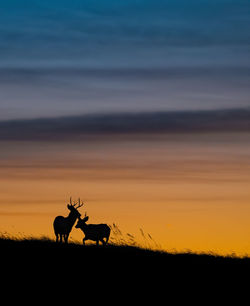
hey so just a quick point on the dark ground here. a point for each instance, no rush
(45, 252)
(76, 270)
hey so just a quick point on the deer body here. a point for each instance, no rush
(94, 232)
(63, 225)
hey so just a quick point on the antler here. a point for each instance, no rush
(79, 204)
(75, 203)
(70, 201)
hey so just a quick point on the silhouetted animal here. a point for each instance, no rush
(63, 225)
(93, 232)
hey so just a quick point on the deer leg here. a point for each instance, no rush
(102, 241)
(97, 242)
(61, 238)
(107, 239)
(66, 236)
(83, 241)
(56, 237)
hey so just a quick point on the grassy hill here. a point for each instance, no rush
(50, 269)
(46, 249)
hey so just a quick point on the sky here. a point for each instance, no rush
(139, 107)
(60, 58)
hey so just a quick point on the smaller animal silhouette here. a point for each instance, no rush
(94, 232)
(63, 225)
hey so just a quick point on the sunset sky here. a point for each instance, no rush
(141, 108)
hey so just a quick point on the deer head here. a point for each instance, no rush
(82, 222)
(73, 208)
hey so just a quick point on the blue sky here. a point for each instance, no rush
(60, 58)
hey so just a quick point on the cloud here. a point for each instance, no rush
(76, 127)
(120, 31)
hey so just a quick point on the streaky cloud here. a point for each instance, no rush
(74, 127)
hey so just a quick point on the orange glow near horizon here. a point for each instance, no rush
(186, 191)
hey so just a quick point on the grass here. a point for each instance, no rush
(127, 269)
(144, 241)
(28, 246)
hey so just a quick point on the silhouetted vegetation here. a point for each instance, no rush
(120, 271)
(112, 252)
(113, 268)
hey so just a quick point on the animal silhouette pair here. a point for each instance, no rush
(63, 226)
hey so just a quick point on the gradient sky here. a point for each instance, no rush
(140, 107)
(64, 57)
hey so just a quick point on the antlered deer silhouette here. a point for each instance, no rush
(95, 232)
(63, 225)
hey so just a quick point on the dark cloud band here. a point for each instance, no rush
(63, 128)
